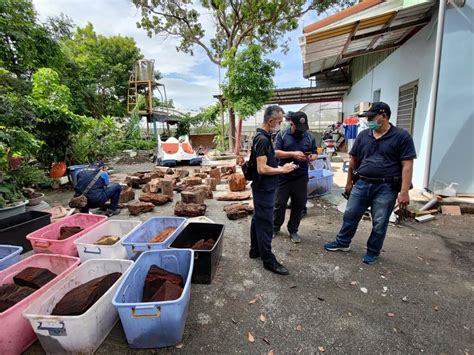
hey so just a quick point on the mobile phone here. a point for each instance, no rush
(308, 154)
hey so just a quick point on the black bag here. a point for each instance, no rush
(249, 168)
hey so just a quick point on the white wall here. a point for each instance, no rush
(453, 147)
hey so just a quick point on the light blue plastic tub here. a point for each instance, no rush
(9, 255)
(136, 241)
(154, 324)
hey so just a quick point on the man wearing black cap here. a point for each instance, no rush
(293, 144)
(380, 170)
(101, 190)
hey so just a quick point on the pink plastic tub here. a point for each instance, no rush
(45, 240)
(16, 334)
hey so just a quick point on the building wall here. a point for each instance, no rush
(413, 61)
(453, 147)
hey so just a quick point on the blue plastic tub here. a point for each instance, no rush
(319, 183)
(137, 240)
(9, 255)
(154, 324)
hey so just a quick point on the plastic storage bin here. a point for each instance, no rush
(137, 240)
(45, 240)
(154, 324)
(83, 333)
(14, 229)
(9, 255)
(319, 183)
(88, 250)
(16, 334)
(205, 261)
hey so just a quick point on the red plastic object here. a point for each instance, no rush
(16, 334)
(58, 170)
(45, 240)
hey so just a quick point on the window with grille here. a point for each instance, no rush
(407, 105)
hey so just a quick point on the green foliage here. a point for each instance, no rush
(249, 79)
(98, 70)
(47, 91)
(98, 139)
(208, 117)
(221, 142)
(29, 176)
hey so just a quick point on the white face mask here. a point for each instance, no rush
(275, 129)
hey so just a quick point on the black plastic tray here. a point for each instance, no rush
(14, 229)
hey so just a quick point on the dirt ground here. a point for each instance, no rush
(417, 299)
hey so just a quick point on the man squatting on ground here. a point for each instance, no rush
(380, 169)
(264, 186)
(101, 191)
(293, 144)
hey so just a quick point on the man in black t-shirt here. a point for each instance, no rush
(264, 186)
(380, 170)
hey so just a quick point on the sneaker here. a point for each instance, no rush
(335, 246)
(370, 259)
(295, 238)
(111, 213)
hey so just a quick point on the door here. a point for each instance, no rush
(407, 105)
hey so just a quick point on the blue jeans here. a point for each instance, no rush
(381, 200)
(261, 228)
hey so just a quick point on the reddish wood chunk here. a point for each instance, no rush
(237, 182)
(156, 199)
(138, 207)
(80, 299)
(234, 196)
(163, 235)
(167, 292)
(189, 209)
(127, 194)
(34, 277)
(11, 294)
(68, 231)
(107, 240)
(155, 278)
(238, 210)
(203, 244)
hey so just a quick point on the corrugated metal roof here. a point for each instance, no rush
(380, 26)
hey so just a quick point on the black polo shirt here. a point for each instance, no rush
(382, 157)
(288, 142)
(263, 146)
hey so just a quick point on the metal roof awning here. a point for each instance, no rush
(165, 115)
(370, 26)
(308, 95)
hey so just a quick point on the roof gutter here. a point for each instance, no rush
(434, 92)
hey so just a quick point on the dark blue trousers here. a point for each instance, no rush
(261, 228)
(96, 199)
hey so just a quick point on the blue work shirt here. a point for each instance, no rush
(84, 177)
(378, 158)
(288, 142)
(262, 146)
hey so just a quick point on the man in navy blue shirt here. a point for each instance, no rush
(101, 191)
(293, 144)
(380, 170)
(264, 186)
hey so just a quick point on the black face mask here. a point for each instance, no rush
(298, 134)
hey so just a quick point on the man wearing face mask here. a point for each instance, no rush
(264, 185)
(293, 144)
(380, 170)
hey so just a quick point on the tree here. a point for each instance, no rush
(25, 45)
(238, 22)
(98, 71)
(249, 82)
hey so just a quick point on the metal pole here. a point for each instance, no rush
(434, 92)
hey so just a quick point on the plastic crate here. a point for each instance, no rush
(14, 229)
(136, 241)
(319, 183)
(9, 255)
(16, 334)
(88, 250)
(83, 333)
(205, 261)
(45, 240)
(154, 324)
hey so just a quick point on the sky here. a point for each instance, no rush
(191, 81)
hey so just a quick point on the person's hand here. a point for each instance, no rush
(288, 168)
(299, 156)
(348, 187)
(239, 160)
(403, 199)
